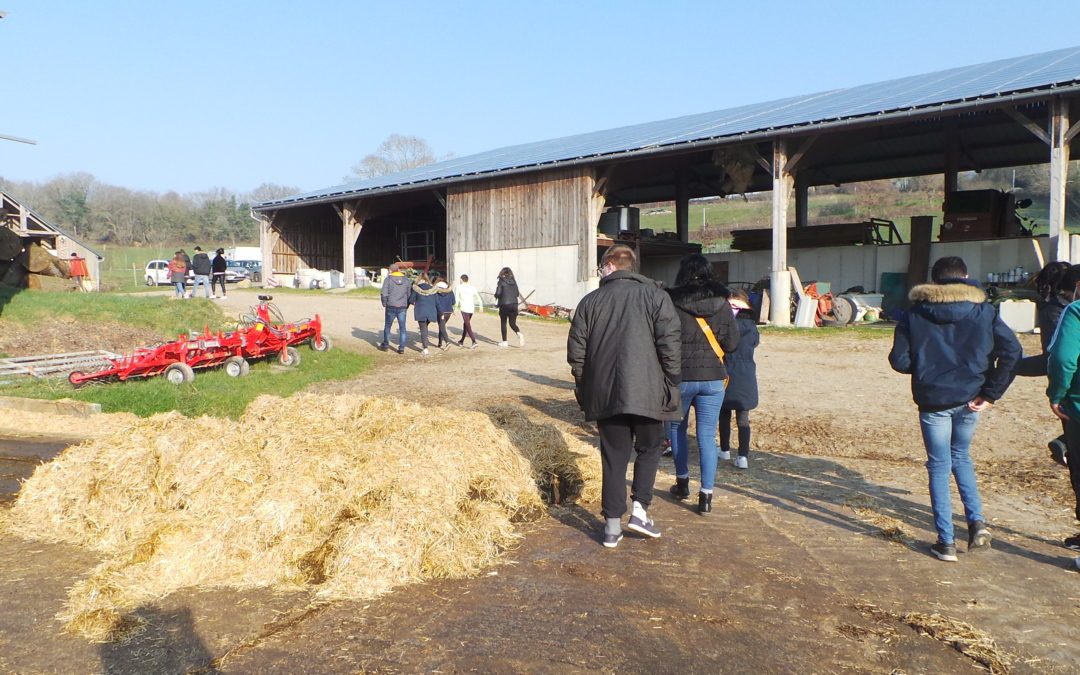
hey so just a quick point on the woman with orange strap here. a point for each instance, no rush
(708, 331)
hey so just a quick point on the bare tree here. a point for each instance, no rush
(269, 192)
(396, 153)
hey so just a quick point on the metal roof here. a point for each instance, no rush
(956, 87)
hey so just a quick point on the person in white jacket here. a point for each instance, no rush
(469, 302)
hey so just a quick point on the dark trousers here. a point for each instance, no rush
(444, 339)
(424, 333)
(217, 278)
(621, 436)
(1072, 441)
(466, 328)
(742, 420)
(508, 313)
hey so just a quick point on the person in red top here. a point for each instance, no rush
(78, 271)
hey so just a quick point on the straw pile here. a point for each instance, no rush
(965, 638)
(348, 496)
(869, 511)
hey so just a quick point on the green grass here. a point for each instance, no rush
(124, 266)
(880, 331)
(159, 313)
(212, 393)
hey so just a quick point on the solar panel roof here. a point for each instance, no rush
(1049, 70)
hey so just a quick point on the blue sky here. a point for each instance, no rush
(195, 95)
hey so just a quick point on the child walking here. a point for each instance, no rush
(742, 389)
(469, 302)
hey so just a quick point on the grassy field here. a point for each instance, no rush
(157, 313)
(212, 393)
(123, 267)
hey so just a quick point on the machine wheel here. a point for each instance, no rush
(844, 310)
(179, 373)
(289, 356)
(323, 345)
(237, 366)
(75, 375)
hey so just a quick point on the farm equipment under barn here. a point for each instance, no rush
(261, 334)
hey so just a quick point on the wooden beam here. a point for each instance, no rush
(682, 205)
(1059, 173)
(1073, 130)
(763, 163)
(792, 165)
(1026, 122)
(601, 181)
(439, 196)
(802, 200)
(352, 222)
(268, 239)
(780, 278)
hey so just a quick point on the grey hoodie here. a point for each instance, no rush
(395, 291)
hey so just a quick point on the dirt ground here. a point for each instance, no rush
(813, 560)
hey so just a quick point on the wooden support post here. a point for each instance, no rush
(597, 200)
(268, 239)
(682, 205)
(802, 200)
(1059, 172)
(951, 158)
(352, 221)
(780, 278)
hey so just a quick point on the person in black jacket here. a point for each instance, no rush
(507, 296)
(624, 352)
(708, 332)
(742, 390)
(961, 357)
(200, 265)
(217, 269)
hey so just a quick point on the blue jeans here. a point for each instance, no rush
(179, 286)
(201, 280)
(706, 397)
(392, 314)
(947, 437)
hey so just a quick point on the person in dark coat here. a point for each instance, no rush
(217, 268)
(444, 305)
(1054, 296)
(507, 296)
(425, 308)
(961, 357)
(624, 351)
(742, 389)
(708, 332)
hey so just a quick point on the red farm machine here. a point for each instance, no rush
(263, 334)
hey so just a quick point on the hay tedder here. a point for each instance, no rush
(262, 334)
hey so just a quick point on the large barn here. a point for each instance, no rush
(540, 207)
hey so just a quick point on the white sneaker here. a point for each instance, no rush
(425, 352)
(725, 455)
(503, 344)
(521, 339)
(741, 462)
(213, 297)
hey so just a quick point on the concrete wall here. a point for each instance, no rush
(548, 272)
(863, 266)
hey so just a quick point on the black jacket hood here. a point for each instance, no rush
(702, 300)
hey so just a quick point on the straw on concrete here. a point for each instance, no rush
(349, 496)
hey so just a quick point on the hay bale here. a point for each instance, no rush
(349, 496)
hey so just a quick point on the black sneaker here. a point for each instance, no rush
(978, 537)
(612, 540)
(681, 489)
(946, 552)
(645, 527)
(383, 347)
(1059, 452)
(401, 350)
(1072, 542)
(704, 503)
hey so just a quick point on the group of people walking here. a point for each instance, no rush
(208, 274)
(642, 357)
(434, 301)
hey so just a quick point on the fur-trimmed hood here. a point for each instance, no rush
(947, 292)
(702, 300)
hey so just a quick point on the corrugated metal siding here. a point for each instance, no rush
(548, 209)
(968, 83)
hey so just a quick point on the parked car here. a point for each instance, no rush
(234, 273)
(157, 274)
(254, 268)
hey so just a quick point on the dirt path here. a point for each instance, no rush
(792, 570)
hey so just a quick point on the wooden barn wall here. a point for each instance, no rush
(532, 211)
(310, 238)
